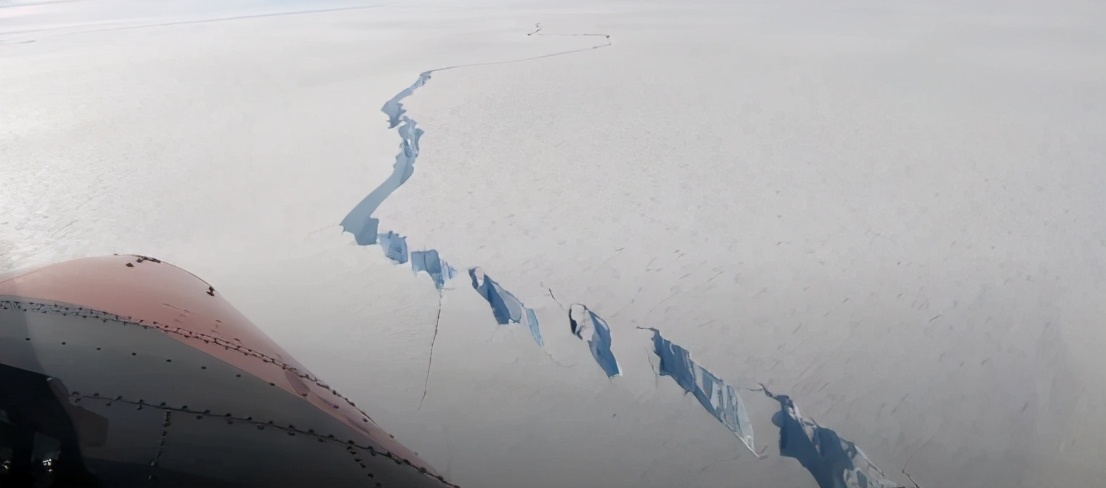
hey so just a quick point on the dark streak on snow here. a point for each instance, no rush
(433, 341)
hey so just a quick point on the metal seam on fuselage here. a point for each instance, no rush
(32, 306)
(185, 333)
(108, 400)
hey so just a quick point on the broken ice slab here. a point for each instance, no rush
(429, 262)
(834, 461)
(717, 397)
(505, 307)
(395, 246)
(532, 323)
(363, 229)
(590, 327)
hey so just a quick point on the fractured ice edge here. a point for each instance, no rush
(589, 327)
(506, 308)
(834, 461)
(360, 221)
(532, 324)
(395, 246)
(717, 397)
(433, 265)
(365, 228)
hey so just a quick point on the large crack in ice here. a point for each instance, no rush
(833, 461)
(365, 227)
(360, 221)
(714, 394)
(506, 308)
(589, 327)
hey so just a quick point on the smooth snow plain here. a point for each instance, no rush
(891, 212)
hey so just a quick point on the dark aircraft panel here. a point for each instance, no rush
(152, 376)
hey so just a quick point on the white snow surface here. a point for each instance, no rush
(891, 211)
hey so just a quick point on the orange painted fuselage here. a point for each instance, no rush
(127, 371)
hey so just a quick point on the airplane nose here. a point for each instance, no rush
(163, 378)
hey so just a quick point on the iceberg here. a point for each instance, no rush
(717, 397)
(588, 326)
